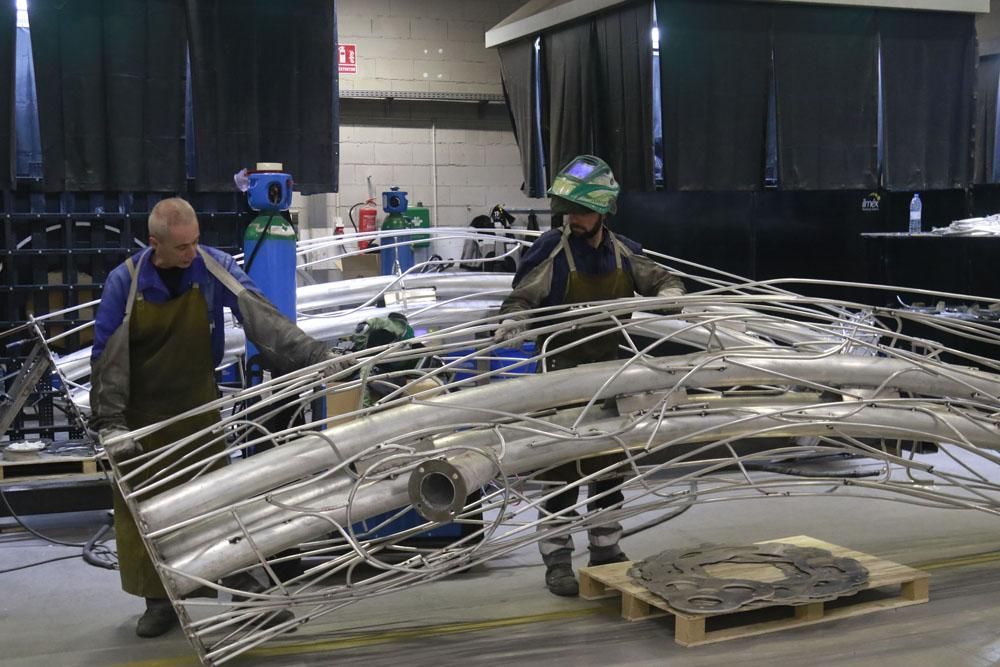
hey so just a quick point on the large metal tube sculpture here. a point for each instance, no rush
(466, 440)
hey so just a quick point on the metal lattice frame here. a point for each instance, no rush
(467, 440)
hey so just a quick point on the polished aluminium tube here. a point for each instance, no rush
(311, 454)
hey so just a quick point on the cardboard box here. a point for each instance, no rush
(341, 402)
(360, 266)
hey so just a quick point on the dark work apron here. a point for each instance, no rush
(170, 372)
(582, 288)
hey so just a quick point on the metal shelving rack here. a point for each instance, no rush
(58, 249)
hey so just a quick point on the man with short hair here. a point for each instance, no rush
(582, 262)
(159, 336)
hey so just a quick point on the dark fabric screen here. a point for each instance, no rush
(263, 89)
(714, 113)
(571, 94)
(928, 74)
(8, 58)
(987, 78)
(110, 81)
(624, 61)
(29, 142)
(518, 73)
(826, 83)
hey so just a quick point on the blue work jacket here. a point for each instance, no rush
(111, 310)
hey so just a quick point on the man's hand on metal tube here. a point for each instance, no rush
(669, 293)
(336, 364)
(118, 444)
(509, 329)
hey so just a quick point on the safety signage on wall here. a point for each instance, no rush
(347, 58)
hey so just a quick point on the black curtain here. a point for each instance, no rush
(264, 90)
(624, 58)
(110, 86)
(714, 112)
(517, 69)
(928, 74)
(571, 91)
(826, 84)
(8, 58)
(987, 78)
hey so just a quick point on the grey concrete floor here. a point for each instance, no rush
(68, 613)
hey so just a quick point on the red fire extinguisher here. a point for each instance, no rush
(367, 221)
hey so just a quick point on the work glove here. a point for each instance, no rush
(670, 292)
(508, 330)
(123, 448)
(336, 364)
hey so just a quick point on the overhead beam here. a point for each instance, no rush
(540, 15)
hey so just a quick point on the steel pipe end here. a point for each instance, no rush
(437, 490)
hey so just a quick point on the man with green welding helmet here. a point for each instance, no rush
(582, 262)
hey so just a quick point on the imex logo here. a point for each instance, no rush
(870, 203)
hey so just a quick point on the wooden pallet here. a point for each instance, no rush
(890, 585)
(47, 466)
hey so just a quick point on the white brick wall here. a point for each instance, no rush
(474, 160)
(439, 41)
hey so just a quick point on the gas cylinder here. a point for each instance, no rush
(269, 251)
(402, 254)
(396, 255)
(367, 221)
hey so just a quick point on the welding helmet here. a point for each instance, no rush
(585, 184)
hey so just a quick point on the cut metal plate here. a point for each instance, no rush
(811, 575)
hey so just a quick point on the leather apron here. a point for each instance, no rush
(170, 372)
(582, 288)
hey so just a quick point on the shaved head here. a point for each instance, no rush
(170, 213)
(173, 233)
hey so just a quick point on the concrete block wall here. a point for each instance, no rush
(458, 158)
(422, 45)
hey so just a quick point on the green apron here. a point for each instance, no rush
(170, 371)
(581, 288)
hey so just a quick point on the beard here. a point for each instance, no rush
(581, 232)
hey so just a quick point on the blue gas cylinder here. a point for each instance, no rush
(269, 259)
(402, 253)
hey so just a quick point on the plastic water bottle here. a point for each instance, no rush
(915, 208)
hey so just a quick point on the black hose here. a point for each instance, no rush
(92, 543)
(350, 214)
(256, 248)
(36, 564)
(88, 547)
(31, 530)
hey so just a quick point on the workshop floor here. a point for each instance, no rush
(68, 613)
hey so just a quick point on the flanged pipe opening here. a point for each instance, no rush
(437, 491)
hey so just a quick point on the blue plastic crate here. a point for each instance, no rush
(405, 522)
(502, 358)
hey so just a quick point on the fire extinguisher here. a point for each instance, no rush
(367, 221)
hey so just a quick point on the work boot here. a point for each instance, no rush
(158, 618)
(561, 581)
(619, 557)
